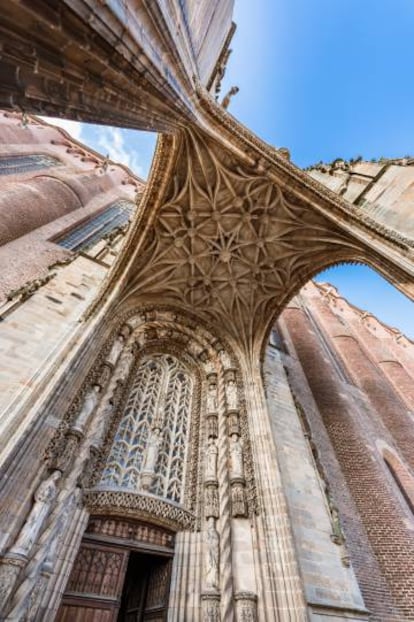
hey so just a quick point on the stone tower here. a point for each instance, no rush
(188, 433)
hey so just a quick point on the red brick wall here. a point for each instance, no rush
(354, 418)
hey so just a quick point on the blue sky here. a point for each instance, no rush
(326, 79)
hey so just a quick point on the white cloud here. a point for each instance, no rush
(74, 128)
(111, 141)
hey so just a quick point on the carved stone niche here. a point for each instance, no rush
(212, 426)
(246, 606)
(233, 423)
(210, 607)
(238, 499)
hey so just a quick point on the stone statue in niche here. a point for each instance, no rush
(337, 535)
(212, 398)
(118, 345)
(236, 457)
(125, 363)
(213, 556)
(88, 406)
(238, 501)
(211, 460)
(150, 458)
(231, 395)
(100, 425)
(44, 497)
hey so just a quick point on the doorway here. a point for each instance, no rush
(121, 573)
(145, 590)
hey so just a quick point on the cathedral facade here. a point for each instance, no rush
(191, 429)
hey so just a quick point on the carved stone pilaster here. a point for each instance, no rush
(211, 503)
(210, 607)
(246, 606)
(10, 568)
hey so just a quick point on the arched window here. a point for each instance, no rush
(13, 165)
(160, 399)
(90, 231)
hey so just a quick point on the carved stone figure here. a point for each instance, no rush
(213, 556)
(211, 460)
(88, 406)
(211, 507)
(116, 350)
(44, 496)
(337, 535)
(232, 395)
(101, 422)
(238, 501)
(124, 364)
(212, 398)
(227, 98)
(150, 459)
(236, 457)
(151, 452)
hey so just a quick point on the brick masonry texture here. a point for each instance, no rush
(358, 418)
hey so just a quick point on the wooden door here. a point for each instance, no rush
(94, 590)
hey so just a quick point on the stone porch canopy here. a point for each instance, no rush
(229, 228)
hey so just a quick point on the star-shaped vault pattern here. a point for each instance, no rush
(228, 243)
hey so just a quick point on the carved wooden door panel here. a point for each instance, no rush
(156, 602)
(94, 590)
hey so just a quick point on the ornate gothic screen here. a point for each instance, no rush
(149, 449)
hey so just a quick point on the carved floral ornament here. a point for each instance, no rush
(226, 241)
